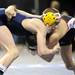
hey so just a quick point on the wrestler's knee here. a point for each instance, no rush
(14, 52)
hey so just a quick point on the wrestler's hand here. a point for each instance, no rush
(10, 11)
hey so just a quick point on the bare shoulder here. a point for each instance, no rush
(62, 28)
(37, 20)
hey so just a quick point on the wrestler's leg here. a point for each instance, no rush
(66, 53)
(7, 42)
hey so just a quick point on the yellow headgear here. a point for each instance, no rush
(49, 18)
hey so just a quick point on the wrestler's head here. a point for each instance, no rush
(10, 11)
(51, 17)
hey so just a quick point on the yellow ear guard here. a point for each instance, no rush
(49, 18)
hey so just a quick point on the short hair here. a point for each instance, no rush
(50, 10)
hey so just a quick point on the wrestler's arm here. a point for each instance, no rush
(60, 31)
(42, 47)
(36, 25)
(27, 14)
(43, 51)
(53, 41)
(12, 10)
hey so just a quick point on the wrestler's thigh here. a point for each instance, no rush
(6, 38)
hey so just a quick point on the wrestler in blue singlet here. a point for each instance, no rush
(15, 27)
(66, 40)
(14, 24)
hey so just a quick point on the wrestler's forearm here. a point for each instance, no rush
(28, 14)
(41, 45)
(49, 57)
(44, 52)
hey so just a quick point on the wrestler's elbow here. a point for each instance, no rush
(46, 54)
(47, 57)
(41, 51)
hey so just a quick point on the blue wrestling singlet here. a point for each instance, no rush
(3, 18)
(15, 25)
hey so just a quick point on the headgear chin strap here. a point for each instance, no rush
(50, 18)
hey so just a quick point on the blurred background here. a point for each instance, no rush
(38, 6)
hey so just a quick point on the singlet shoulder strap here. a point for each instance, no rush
(66, 18)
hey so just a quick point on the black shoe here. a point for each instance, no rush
(1, 73)
(32, 48)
